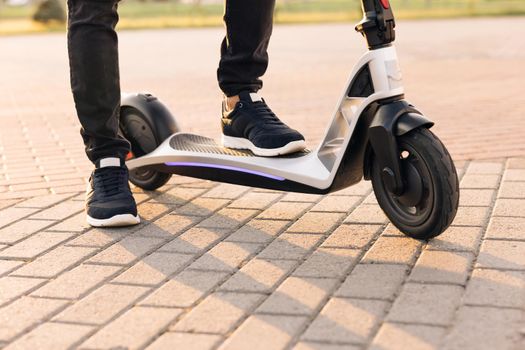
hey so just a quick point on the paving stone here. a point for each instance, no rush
(478, 167)
(169, 226)
(393, 250)
(226, 191)
(346, 320)
(442, 267)
(378, 281)
(258, 276)
(42, 202)
(60, 211)
(264, 332)
(14, 287)
(55, 262)
(255, 200)
(148, 211)
(179, 195)
(102, 305)
(502, 255)
(21, 229)
(480, 181)
(226, 256)
(185, 341)
(291, 246)
(154, 268)
(99, 238)
(25, 313)
(512, 190)
(75, 283)
(514, 175)
(472, 216)
(76, 223)
(337, 203)
(328, 262)
(201, 207)
(127, 250)
(361, 189)
(324, 346)
(481, 198)
(397, 336)
(316, 222)
(285, 210)
(133, 329)
(496, 288)
(258, 231)
(35, 245)
(228, 218)
(301, 197)
(218, 313)
(7, 266)
(457, 238)
(351, 236)
(367, 214)
(485, 328)
(298, 296)
(195, 240)
(510, 207)
(52, 336)
(12, 214)
(516, 163)
(184, 289)
(506, 228)
(426, 303)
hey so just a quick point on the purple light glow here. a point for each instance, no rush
(225, 167)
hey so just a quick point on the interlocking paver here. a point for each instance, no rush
(351, 236)
(185, 341)
(502, 255)
(35, 245)
(379, 281)
(24, 313)
(393, 250)
(328, 263)
(7, 266)
(496, 288)
(440, 303)
(510, 207)
(52, 336)
(194, 240)
(398, 336)
(485, 328)
(290, 246)
(218, 313)
(315, 223)
(14, 287)
(226, 256)
(258, 231)
(265, 332)
(102, 305)
(21, 229)
(284, 210)
(442, 267)
(506, 228)
(457, 238)
(346, 321)
(298, 296)
(133, 329)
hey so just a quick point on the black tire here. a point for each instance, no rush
(138, 131)
(430, 201)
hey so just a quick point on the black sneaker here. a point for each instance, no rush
(109, 201)
(252, 125)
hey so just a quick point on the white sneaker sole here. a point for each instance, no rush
(114, 221)
(240, 143)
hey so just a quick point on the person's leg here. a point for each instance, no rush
(93, 58)
(248, 123)
(244, 50)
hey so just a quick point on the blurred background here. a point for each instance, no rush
(29, 16)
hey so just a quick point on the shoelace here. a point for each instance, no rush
(112, 180)
(265, 113)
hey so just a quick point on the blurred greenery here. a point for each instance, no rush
(183, 13)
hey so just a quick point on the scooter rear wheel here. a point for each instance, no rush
(143, 138)
(430, 200)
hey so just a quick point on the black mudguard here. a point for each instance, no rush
(160, 119)
(390, 121)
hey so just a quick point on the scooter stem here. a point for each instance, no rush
(377, 25)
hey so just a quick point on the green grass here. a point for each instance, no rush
(163, 14)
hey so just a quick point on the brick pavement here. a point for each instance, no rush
(217, 266)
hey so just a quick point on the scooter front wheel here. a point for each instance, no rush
(430, 200)
(143, 138)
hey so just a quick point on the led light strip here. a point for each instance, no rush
(225, 167)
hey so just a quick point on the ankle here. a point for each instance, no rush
(231, 102)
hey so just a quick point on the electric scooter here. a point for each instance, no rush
(374, 134)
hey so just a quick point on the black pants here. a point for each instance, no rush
(93, 58)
